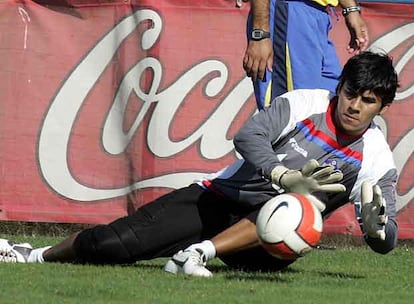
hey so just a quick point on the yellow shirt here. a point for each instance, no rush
(327, 2)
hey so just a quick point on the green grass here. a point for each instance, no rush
(345, 275)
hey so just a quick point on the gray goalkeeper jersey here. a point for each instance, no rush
(298, 127)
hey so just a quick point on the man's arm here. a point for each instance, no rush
(259, 54)
(377, 212)
(271, 126)
(254, 140)
(359, 38)
(385, 246)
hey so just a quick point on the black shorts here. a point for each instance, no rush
(166, 225)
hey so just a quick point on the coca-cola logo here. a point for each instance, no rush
(60, 119)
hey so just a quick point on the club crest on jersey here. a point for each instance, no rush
(331, 162)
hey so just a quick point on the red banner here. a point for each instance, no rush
(105, 105)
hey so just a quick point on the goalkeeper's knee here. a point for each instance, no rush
(103, 245)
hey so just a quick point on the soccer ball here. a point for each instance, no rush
(289, 226)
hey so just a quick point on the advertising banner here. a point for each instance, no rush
(105, 105)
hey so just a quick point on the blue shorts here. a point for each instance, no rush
(304, 57)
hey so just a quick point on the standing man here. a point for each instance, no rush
(289, 48)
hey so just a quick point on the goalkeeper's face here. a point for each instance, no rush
(355, 112)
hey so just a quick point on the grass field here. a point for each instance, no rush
(349, 274)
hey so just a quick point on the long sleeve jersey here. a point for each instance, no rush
(297, 127)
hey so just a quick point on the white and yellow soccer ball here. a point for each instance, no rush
(289, 226)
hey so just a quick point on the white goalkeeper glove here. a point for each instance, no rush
(310, 178)
(373, 212)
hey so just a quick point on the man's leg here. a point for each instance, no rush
(240, 236)
(237, 246)
(193, 259)
(220, 235)
(62, 252)
(159, 228)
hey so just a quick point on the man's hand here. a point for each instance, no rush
(358, 31)
(311, 178)
(257, 58)
(373, 210)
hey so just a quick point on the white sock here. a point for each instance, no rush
(207, 247)
(36, 256)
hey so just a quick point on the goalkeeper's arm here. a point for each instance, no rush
(376, 214)
(390, 242)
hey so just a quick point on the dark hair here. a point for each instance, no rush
(372, 72)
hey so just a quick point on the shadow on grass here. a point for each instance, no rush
(227, 272)
(275, 276)
(338, 275)
(284, 275)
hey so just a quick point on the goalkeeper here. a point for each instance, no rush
(311, 142)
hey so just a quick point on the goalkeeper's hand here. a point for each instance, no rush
(373, 211)
(310, 178)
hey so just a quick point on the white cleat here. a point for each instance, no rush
(191, 262)
(14, 253)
